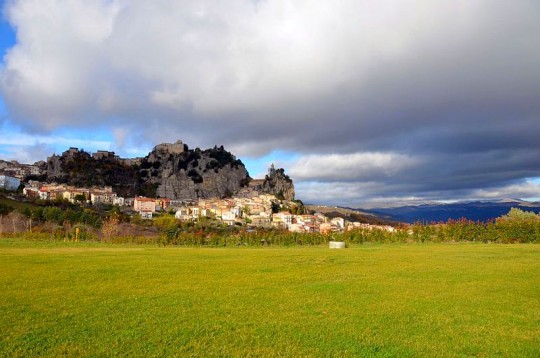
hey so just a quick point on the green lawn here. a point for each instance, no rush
(373, 300)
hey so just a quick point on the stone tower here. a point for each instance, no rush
(272, 171)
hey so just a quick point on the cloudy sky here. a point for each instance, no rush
(363, 102)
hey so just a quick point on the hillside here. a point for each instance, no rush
(352, 215)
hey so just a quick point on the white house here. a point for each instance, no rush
(237, 210)
(260, 220)
(338, 222)
(282, 219)
(182, 214)
(31, 192)
(142, 204)
(119, 201)
(146, 214)
(229, 216)
(103, 198)
(43, 194)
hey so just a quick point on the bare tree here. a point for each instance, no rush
(29, 224)
(110, 227)
(17, 221)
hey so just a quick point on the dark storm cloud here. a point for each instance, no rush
(381, 99)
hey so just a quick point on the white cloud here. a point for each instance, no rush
(78, 59)
(13, 138)
(377, 194)
(337, 193)
(27, 153)
(355, 166)
(527, 189)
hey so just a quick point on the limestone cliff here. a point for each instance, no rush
(170, 170)
(192, 174)
(54, 168)
(278, 184)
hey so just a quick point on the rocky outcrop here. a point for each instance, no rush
(192, 174)
(170, 171)
(54, 168)
(225, 183)
(278, 184)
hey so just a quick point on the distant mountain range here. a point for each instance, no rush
(475, 210)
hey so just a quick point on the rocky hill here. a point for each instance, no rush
(169, 170)
(192, 174)
(278, 184)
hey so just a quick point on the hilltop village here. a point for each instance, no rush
(192, 185)
(247, 208)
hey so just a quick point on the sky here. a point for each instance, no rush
(364, 103)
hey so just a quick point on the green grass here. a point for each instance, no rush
(452, 300)
(17, 205)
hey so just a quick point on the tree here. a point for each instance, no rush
(4, 209)
(80, 198)
(54, 214)
(516, 214)
(17, 220)
(518, 226)
(110, 227)
(166, 221)
(298, 208)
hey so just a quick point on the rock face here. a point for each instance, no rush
(192, 174)
(170, 171)
(278, 184)
(54, 168)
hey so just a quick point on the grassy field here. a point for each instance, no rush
(371, 300)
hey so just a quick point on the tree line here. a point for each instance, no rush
(52, 223)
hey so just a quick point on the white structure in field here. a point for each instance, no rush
(9, 183)
(336, 244)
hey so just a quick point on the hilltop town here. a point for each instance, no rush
(249, 207)
(181, 185)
